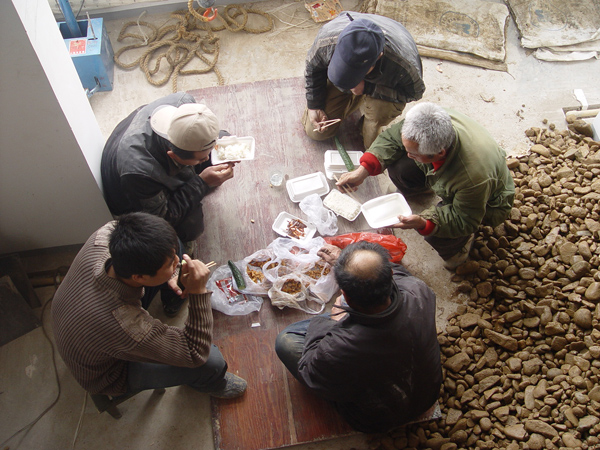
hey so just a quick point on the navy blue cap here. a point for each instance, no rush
(358, 48)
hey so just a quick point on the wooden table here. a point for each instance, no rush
(276, 410)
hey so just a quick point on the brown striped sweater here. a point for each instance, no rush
(99, 324)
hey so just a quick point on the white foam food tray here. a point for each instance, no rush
(384, 211)
(301, 187)
(246, 142)
(280, 226)
(334, 165)
(343, 205)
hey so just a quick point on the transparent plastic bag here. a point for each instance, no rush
(324, 219)
(252, 268)
(226, 298)
(300, 262)
(292, 291)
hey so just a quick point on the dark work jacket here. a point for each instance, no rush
(381, 370)
(138, 175)
(397, 77)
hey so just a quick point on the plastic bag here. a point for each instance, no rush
(299, 261)
(324, 219)
(252, 268)
(391, 243)
(291, 291)
(226, 298)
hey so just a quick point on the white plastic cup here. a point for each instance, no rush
(276, 177)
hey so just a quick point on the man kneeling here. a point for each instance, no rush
(110, 342)
(376, 357)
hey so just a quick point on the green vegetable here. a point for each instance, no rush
(344, 154)
(237, 275)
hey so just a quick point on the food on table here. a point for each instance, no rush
(342, 205)
(296, 228)
(237, 275)
(291, 287)
(239, 150)
(255, 275)
(259, 261)
(317, 271)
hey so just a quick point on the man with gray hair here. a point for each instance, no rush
(440, 150)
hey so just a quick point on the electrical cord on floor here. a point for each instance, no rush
(27, 428)
(80, 421)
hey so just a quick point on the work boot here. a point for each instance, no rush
(463, 254)
(234, 387)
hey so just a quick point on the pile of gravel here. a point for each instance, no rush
(521, 354)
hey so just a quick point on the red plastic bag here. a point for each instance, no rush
(391, 243)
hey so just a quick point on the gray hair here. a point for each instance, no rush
(430, 126)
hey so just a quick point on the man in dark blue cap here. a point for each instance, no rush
(361, 61)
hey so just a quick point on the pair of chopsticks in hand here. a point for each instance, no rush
(179, 266)
(327, 123)
(346, 190)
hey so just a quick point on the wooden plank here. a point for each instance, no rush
(276, 411)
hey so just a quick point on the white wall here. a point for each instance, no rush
(50, 142)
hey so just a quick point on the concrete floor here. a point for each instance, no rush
(532, 90)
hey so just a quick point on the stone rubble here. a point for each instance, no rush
(520, 355)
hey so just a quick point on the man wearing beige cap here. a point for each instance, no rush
(157, 160)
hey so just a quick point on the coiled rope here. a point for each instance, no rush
(192, 37)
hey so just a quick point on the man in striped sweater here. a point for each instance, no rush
(111, 344)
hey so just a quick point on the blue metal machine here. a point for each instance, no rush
(90, 49)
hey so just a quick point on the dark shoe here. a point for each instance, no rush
(234, 387)
(172, 305)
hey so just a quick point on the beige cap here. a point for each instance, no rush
(191, 126)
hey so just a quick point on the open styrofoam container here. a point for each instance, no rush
(301, 187)
(232, 140)
(334, 164)
(335, 201)
(281, 224)
(384, 211)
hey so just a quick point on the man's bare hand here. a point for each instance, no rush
(194, 276)
(316, 116)
(216, 175)
(351, 180)
(329, 253)
(412, 222)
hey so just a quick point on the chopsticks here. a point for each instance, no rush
(346, 190)
(211, 264)
(327, 123)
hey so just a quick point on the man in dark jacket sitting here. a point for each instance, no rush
(376, 356)
(157, 160)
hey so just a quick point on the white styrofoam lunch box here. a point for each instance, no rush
(342, 204)
(301, 187)
(280, 226)
(225, 141)
(334, 164)
(384, 211)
